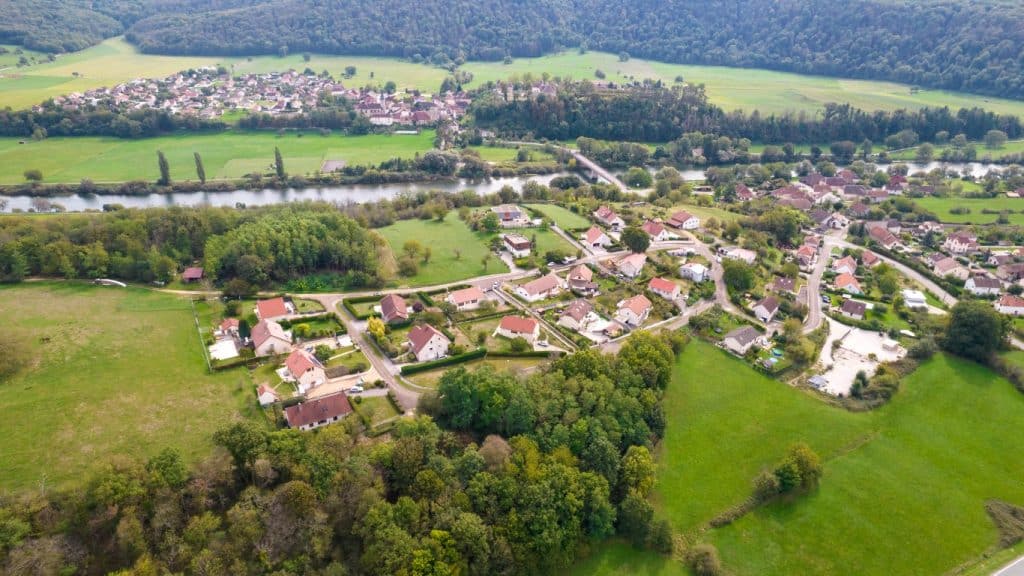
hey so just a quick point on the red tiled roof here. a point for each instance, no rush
(393, 307)
(653, 228)
(460, 297)
(518, 324)
(264, 330)
(229, 323)
(844, 280)
(271, 308)
(1011, 301)
(324, 408)
(192, 273)
(299, 362)
(638, 304)
(420, 335)
(541, 285)
(581, 273)
(594, 234)
(662, 285)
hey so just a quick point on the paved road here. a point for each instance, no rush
(814, 312)
(1015, 568)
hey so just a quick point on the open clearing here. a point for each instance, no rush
(565, 219)
(942, 206)
(228, 155)
(904, 486)
(122, 373)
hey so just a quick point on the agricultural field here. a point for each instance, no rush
(942, 208)
(9, 60)
(740, 88)
(114, 61)
(114, 372)
(895, 479)
(229, 155)
(564, 218)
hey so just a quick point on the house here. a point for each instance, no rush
(577, 315)
(268, 338)
(765, 309)
(820, 217)
(227, 329)
(782, 284)
(1011, 272)
(983, 286)
(428, 343)
(847, 283)
(846, 265)
(960, 243)
(748, 256)
(914, 299)
(631, 266)
(694, 271)
(305, 370)
(853, 309)
(273, 308)
(581, 280)
(806, 256)
(466, 299)
(883, 237)
(837, 221)
(519, 327)
(740, 340)
(657, 231)
(949, 267)
(743, 193)
(609, 218)
(684, 221)
(393, 309)
(517, 244)
(267, 395)
(634, 311)
(869, 259)
(859, 210)
(541, 288)
(999, 259)
(595, 237)
(192, 274)
(320, 412)
(511, 216)
(1010, 304)
(667, 289)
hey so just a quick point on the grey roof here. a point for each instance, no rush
(743, 335)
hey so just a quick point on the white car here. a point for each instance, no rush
(355, 390)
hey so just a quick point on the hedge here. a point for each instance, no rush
(347, 303)
(449, 361)
(527, 354)
(232, 363)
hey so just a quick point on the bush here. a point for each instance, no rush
(703, 560)
(449, 361)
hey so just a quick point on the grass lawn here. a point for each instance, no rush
(430, 378)
(942, 206)
(502, 155)
(303, 306)
(375, 408)
(122, 373)
(896, 480)
(229, 155)
(617, 558)
(749, 89)
(349, 358)
(565, 219)
(443, 238)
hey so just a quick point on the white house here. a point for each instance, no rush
(961, 243)
(657, 231)
(853, 309)
(667, 289)
(578, 315)
(267, 395)
(466, 299)
(694, 271)
(740, 340)
(517, 244)
(765, 309)
(609, 218)
(595, 237)
(268, 338)
(519, 327)
(305, 370)
(949, 267)
(983, 286)
(847, 283)
(428, 343)
(845, 265)
(319, 412)
(631, 266)
(1010, 304)
(684, 221)
(541, 288)
(914, 298)
(634, 311)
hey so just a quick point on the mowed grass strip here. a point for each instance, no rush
(228, 155)
(904, 486)
(114, 372)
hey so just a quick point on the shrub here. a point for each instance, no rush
(703, 560)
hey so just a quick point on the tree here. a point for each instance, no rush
(279, 164)
(485, 260)
(200, 170)
(995, 139)
(244, 440)
(975, 331)
(350, 71)
(375, 326)
(33, 175)
(491, 223)
(637, 177)
(168, 468)
(925, 153)
(323, 352)
(165, 169)
(703, 560)
(636, 239)
(737, 275)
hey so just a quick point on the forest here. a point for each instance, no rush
(499, 476)
(972, 46)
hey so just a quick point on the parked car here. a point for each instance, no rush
(355, 389)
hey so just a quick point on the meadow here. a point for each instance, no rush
(114, 372)
(228, 155)
(564, 218)
(903, 490)
(985, 154)
(942, 208)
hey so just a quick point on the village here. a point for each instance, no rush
(210, 93)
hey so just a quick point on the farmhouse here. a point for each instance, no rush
(273, 308)
(847, 283)
(609, 218)
(578, 315)
(427, 343)
(983, 286)
(740, 340)
(657, 231)
(634, 311)
(517, 244)
(694, 271)
(393, 309)
(305, 370)
(631, 266)
(192, 274)
(853, 309)
(961, 243)
(267, 395)
(595, 237)
(511, 216)
(519, 327)
(466, 299)
(949, 267)
(320, 412)
(845, 265)
(541, 288)
(268, 338)
(667, 289)
(1010, 304)
(765, 309)
(684, 221)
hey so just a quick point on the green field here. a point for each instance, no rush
(519, 366)
(942, 206)
(10, 59)
(226, 155)
(1011, 147)
(115, 61)
(564, 218)
(115, 372)
(904, 486)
